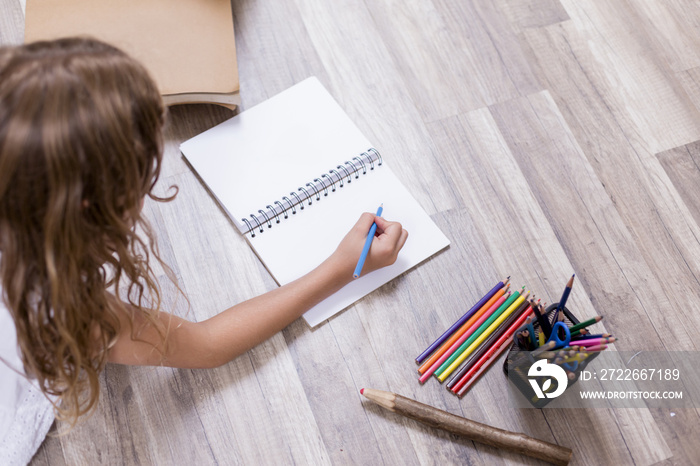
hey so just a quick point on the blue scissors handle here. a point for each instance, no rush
(570, 366)
(554, 336)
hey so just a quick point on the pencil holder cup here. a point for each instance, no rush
(520, 360)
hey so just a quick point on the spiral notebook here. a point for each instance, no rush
(294, 173)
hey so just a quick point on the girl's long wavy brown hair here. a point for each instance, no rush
(80, 147)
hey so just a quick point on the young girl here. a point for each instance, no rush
(80, 149)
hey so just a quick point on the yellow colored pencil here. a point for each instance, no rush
(465, 354)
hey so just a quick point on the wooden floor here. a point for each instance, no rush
(545, 137)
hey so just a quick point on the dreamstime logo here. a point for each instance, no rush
(543, 369)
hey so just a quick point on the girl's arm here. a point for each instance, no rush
(231, 333)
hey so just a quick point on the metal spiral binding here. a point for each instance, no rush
(299, 202)
(279, 210)
(325, 191)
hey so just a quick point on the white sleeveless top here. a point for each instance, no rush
(25, 413)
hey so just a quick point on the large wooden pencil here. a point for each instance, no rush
(475, 431)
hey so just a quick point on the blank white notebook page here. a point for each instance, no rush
(271, 150)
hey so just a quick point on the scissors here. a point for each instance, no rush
(570, 366)
(562, 343)
(572, 363)
(554, 336)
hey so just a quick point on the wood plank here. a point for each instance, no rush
(453, 59)
(50, 453)
(644, 198)
(366, 83)
(260, 389)
(505, 206)
(149, 407)
(673, 27)
(502, 66)
(690, 80)
(525, 14)
(11, 22)
(537, 134)
(682, 165)
(274, 44)
(631, 78)
(457, 56)
(422, 303)
(423, 48)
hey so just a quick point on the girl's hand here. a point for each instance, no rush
(388, 241)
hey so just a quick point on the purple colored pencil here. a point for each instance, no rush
(436, 344)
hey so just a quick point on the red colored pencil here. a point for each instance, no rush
(489, 357)
(473, 375)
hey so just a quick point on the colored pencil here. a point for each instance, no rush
(475, 431)
(564, 297)
(588, 337)
(457, 343)
(575, 358)
(436, 344)
(591, 349)
(487, 359)
(503, 308)
(444, 373)
(593, 341)
(542, 319)
(585, 323)
(546, 347)
(494, 337)
(368, 243)
(491, 305)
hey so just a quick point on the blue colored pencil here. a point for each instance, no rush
(436, 344)
(368, 243)
(564, 298)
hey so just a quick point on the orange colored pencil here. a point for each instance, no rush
(445, 346)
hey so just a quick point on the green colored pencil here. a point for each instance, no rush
(585, 323)
(478, 332)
